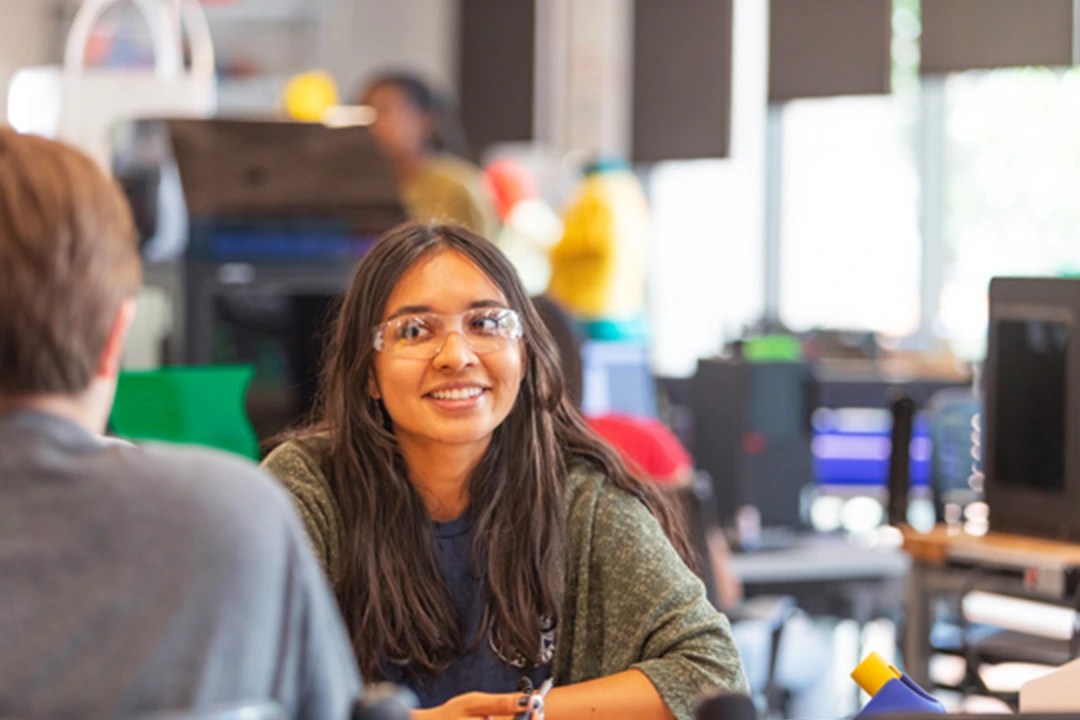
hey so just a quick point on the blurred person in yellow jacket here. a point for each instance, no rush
(598, 267)
(416, 130)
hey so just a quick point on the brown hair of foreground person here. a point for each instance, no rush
(68, 259)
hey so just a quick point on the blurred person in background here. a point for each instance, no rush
(655, 454)
(418, 131)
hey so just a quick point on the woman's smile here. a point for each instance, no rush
(458, 397)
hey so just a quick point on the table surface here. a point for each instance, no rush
(933, 574)
(819, 559)
(934, 547)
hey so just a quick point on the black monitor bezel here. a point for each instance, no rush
(1032, 511)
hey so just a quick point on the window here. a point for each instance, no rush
(1013, 188)
(850, 248)
(705, 270)
(850, 238)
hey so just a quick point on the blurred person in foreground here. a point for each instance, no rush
(132, 580)
(417, 130)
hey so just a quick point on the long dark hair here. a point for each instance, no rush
(394, 602)
(447, 135)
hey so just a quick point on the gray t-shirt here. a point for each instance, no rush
(135, 580)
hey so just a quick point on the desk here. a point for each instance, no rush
(819, 559)
(946, 561)
(829, 576)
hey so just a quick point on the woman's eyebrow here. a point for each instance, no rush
(417, 309)
(487, 304)
(409, 310)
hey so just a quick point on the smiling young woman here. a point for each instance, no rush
(475, 530)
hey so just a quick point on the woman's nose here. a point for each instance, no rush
(455, 353)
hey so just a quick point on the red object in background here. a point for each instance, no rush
(509, 183)
(99, 44)
(753, 443)
(646, 445)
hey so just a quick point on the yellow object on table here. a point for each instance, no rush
(309, 95)
(873, 672)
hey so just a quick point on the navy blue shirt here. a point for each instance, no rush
(481, 669)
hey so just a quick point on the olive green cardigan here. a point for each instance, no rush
(630, 600)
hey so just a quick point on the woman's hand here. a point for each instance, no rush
(478, 705)
(628, 695)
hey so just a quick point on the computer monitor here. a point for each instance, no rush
(616, 379)
(852, 426)
(752, 435)
(1032, 388)
(277, 214)
(273, 169)
(851, 448)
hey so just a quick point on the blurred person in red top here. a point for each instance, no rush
(648, 446)
(655, 453)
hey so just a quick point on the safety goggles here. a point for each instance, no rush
(422, 336)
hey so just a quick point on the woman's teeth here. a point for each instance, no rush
(459, 394)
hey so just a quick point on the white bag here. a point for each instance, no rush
(81, 105)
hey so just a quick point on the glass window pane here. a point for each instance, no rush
(705, 269)
(849, 218)
(1013, 203)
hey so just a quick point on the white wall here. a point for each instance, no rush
(584, 65)
(363, 37)
(598, 83)
(25, 39)
(353, 39)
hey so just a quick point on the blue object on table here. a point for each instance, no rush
(901, 695)
(893, 692)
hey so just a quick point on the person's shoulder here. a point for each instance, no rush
(210, 498)
(453, 168)
(298, 465)
(589, 491)
(199, 472)
(583, 479)
(299, 460)
(191, 464)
